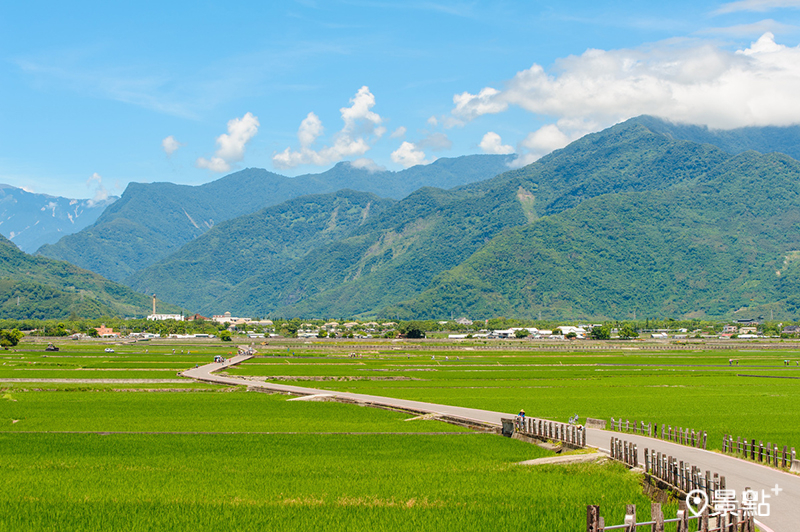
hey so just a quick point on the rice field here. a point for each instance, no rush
(699, 390)
(296, 482)
(120, 442)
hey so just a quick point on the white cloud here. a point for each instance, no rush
(700, 84)
(231, 144)
(757, 5)
(170, 145)
(310, 129)
(398, 133)
(487, 101)
(362, 127)
(100, 192)
(435, 142)
(492, 143)
(545, 139)
(367, 164)
(408, 155)
(432, 121)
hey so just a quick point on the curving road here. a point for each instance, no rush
(740, 474)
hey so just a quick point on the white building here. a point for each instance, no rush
(164, 317)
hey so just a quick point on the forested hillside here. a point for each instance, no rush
(151, 221)
(398, 251)
(255, 246)
(38, 287)
(722, 245)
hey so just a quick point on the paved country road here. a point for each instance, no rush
(740, 474)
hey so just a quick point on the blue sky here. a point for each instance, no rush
(99, 94)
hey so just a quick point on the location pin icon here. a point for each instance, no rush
(697, 502)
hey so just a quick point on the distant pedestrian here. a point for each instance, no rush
(521, 416)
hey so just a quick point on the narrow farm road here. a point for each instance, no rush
(784, 514)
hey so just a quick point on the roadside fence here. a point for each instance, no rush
(769, 454)
(738, 520)
(688, 437)
(677, 474)
(574, 435)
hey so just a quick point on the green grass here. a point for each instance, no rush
(193, 411)
(698, 390)
(222, 458)
(297, 482)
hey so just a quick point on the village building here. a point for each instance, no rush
(106, 332)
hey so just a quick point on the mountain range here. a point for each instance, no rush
(32, 220)
(396, 253)
(647, 218)
(152, 221)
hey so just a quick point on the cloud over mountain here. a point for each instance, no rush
(231, 144)
(362, 127)
(687, 83)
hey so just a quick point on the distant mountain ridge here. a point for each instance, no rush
(399, 251)
(32, 220)
(151, 221)
(630, 219)
(765, 139)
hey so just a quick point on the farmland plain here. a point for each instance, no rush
(126, 446)
(757, 395)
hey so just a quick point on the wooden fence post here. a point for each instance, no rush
(593, 520)
(683, 519)
(630, 518)
(705, 439)
(733, 521)
(703, 525)
(658, 516)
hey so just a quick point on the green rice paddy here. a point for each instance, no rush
(125, 444)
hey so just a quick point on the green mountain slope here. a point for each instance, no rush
(395, 255)
(255, 245)
(151, 221)
(38, 287)
(718, 246)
